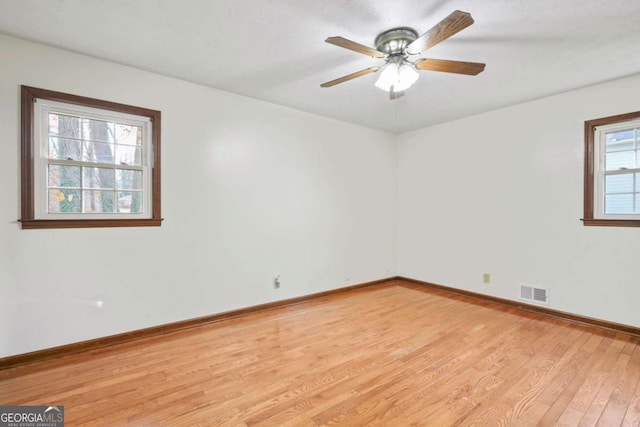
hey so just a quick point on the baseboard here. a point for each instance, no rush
(94, 344)
(583, 320)
(98, 343)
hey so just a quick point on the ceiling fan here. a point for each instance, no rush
(396, 45)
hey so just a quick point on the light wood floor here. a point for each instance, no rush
(395, 355)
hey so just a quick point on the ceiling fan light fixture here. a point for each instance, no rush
(397, 44)
(397, 76)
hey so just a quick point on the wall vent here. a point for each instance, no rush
(533, 294)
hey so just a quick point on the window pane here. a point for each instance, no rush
(129, 202)
(618, 183)
(66, 149)
(618, 141)
(620, 159)
(637, 203)
(128, 135)
(128, 180)
(128, 155)
(618, 204)
(64, 201)
(64, 126)
(98, 130)
(64, 176)
(96, 201)
(97, 152)
(98, 178)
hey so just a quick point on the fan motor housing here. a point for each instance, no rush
(395, 40)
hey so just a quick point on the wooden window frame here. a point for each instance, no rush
(590, 169)
(29, 95)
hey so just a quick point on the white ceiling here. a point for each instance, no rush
(274, 50)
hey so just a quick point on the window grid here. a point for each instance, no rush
(118, 199)
(633, 171)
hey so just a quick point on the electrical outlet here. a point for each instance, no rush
(276, 282)
(486, 278)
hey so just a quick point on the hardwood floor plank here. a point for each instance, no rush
(592, 352)
(516, 378)
(593, 379)
(396, 355)
(612, 375)
(632, 415)
(622, 394)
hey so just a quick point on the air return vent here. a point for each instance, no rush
(533, 294)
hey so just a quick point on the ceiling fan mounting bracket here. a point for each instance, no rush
(394, 41)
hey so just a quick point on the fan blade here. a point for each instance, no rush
(350, 77)
(458, 67)
(356, 47)
(455, 22)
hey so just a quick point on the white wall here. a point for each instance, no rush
(502, 193)
(250, 190)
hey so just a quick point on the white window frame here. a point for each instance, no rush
(42, 109)
(600, 172)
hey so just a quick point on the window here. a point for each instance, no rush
(88, 163)
(612, 171)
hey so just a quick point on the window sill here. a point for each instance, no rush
(611, 222)
(30, 224)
